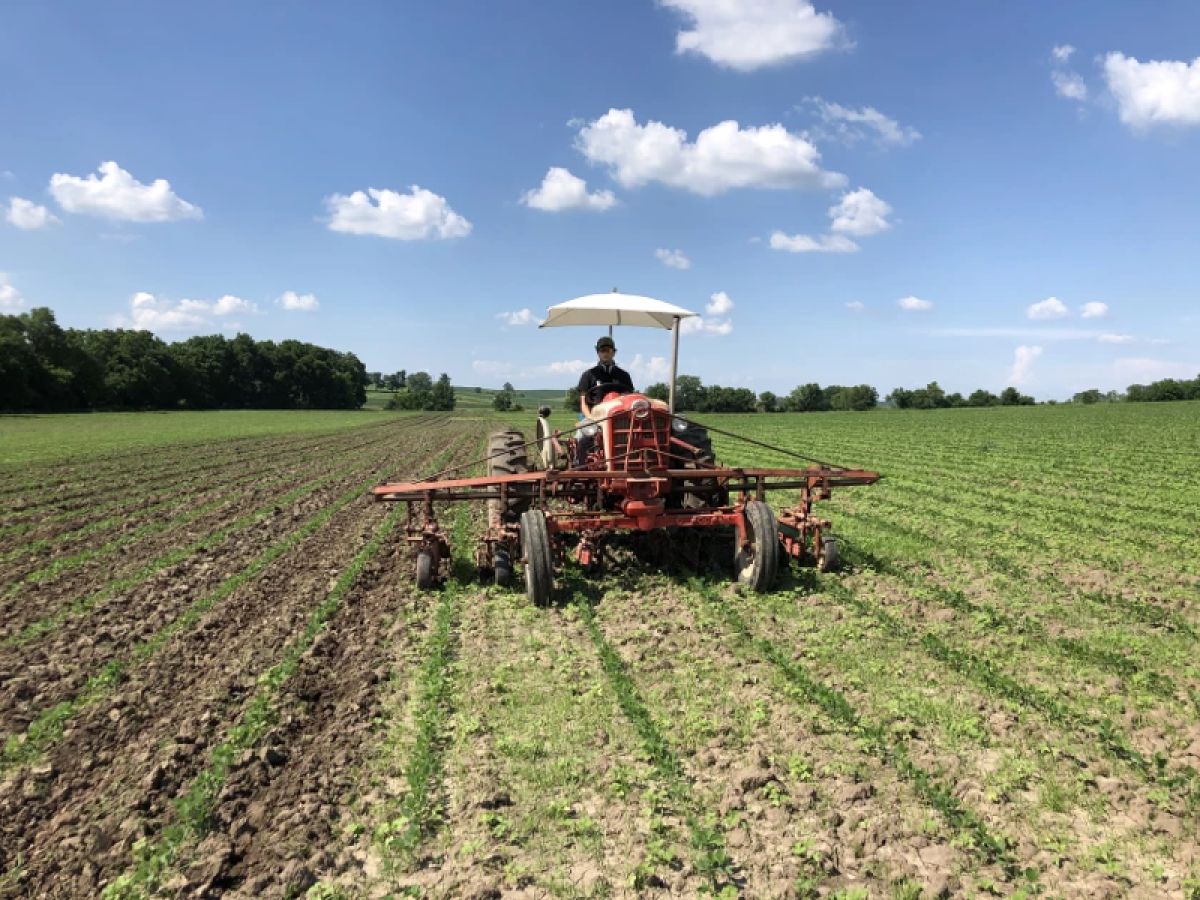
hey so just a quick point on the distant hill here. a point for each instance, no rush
(481, 398)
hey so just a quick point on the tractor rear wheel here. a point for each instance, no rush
(506, 456)
(758, 563)
(539, 560)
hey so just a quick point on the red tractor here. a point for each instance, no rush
(649, 470)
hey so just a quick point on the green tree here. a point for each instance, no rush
(658, 391)
(807, 398)
(571, 399)
(768, 402)
(442, 395)
(983, 398)
(689, 393)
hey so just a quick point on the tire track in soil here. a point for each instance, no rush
(61, 527)
(39, 571)
(74, 819)
(807, 811)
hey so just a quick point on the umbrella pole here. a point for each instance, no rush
(674, 363)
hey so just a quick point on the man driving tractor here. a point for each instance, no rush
(606, 377)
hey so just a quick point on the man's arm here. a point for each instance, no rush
(585, 383)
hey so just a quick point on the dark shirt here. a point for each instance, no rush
(590, 381)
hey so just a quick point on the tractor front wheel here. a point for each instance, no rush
(757, 563)
(539, 560)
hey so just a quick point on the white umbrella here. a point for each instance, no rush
(623, 309)
(616, 309)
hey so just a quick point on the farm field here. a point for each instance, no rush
(219, 679)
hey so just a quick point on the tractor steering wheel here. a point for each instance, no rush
(601, 388)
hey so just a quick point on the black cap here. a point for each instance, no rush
(605, 341)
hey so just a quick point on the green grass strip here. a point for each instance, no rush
(710, 857)
(47, 729)
(417, 816)
(84, 604)
(874, 738)
(194, 808)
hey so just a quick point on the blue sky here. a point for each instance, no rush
(984, 194)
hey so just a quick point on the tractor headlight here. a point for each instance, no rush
(640, 408)
(680, 425)
(589, 430)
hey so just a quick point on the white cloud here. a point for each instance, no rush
(674, 259)
(1108, 338)
(719, 304)
(723, 157)
(1094, 310)
(10, 297)
(417, 215)
(803, 243)
(848, 125)
(914, 304)
(648, 371)
(118, 195)
(1050, 308)
(1069, 85)
(520, 317)
(755, 33)
(705, 325)
(1062, 52)
(561, 190)
(1158, 92)
(293, 302)
(860, 213)
(855, 306)
(1022, 368)
(230, 305)
(27, 215)
(153, 313)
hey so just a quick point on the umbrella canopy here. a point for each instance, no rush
(615, 309)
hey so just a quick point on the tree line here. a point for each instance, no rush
(692, 395)
(44, 367)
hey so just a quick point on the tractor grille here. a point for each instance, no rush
(639, 444)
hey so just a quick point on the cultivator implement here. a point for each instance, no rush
(649, 472)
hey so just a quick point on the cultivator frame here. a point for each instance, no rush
(640, 489)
